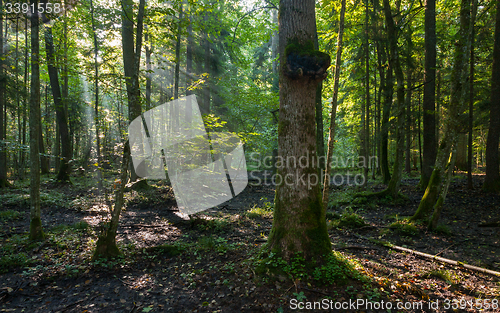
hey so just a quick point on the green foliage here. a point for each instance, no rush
(9, 215)
(11, 199)
(443, 230)
(448, 276)
(338, 198)
(335, 270)
(405, 227)
(12, 252)
(166, 250)
(218, 244)
(348, 219)
(264, 211)
(216, 225)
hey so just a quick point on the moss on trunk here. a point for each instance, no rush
(430, 196)
(106, 246)
(36, 231)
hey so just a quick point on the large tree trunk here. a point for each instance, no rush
(62, 121)
(453, 122)
(333, 114)
(36, 231)
(299, 224)
(492, 179)
(429, 114)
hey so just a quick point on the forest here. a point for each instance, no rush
(249, 156)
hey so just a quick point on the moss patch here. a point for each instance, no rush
(302, 60)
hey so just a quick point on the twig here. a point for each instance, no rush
(126, 283)
(317, 291)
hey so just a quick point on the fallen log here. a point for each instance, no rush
(432, 257)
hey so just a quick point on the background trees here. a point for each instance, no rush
(226, 52)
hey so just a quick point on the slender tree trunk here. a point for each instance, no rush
(189, 59)
(409, 84)
(471, 114)
(205, 108)
(149, 48)
(333, 113)
(299, 224)
(131, 60)
(492, 179)
(429, 113)
(453, 122)
(36, 231)
(274, 51)
(3, 80)
(96, 103)
(366, 125)
(178, 55)
(320, 142)
(62, 121)
(386, 113)
(393, 186)
(106, 244)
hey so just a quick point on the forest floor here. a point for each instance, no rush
(173, 264)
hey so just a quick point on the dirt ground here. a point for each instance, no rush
(214, 271)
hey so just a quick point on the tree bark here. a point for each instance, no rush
(36, 231)
(492, 179)
(3, 80)
(429, 113)
(388, 86)
(131, 60)
(471, 114)
(299, 224)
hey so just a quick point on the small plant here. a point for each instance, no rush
(447, 276)
(349, 219)
(443, 230)
(166, 250)
(332, 215)
(9, 215)
(404, 227)
(300, 296)
(259, 212)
